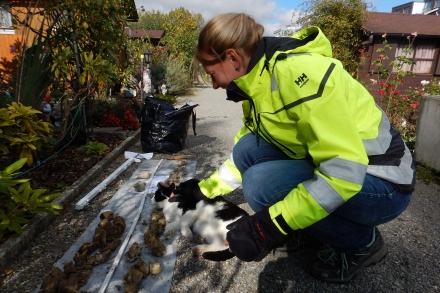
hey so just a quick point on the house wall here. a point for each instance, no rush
(7, 40)
(409, 8)
(368, 71)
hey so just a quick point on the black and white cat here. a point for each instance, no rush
(207, 218)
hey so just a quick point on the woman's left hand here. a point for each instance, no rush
(251, 238)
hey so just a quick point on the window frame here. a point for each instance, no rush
(427, 6)
(5, 12)
(394, 42)
(417, 46)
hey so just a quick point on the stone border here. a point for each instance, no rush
(18, 243)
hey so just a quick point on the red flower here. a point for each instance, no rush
(382, 84)
(109, 120)
(381, 57)
(396, 92)
(405, 98)
(381, 92)
(414, 106)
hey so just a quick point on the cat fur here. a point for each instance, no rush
(207, 218)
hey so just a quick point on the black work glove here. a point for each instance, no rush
(251, 238)
(188, 189)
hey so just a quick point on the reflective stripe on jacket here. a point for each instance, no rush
(298, 98)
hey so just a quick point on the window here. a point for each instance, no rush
(423, 56)
(428, 6)
(5, 17)
(407, 10)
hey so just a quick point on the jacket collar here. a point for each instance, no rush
(266, 48)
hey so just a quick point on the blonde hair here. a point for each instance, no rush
(236, 31)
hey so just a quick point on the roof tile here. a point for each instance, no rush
(398, 23)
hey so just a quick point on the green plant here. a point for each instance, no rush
(109, 120)
(19, 205)
(129, 122)
(181, 26)
(431, 87)
(21, 132)
(95, 147)
(178, 78)
(119, 112)
(169, 98)
(6, 176)
(34, 73)
(401, 109)
(157, 75)
(342, 23)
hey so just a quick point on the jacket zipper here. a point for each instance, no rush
(270, 138)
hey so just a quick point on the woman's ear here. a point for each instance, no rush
(239, 61)
(234, 57)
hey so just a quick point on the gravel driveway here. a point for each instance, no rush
(412, 265)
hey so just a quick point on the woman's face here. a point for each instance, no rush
(223, 72)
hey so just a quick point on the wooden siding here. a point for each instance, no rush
(7, 40)
(5, 48)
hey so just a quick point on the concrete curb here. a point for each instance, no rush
(18, 243)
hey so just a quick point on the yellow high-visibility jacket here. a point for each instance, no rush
(298, 98)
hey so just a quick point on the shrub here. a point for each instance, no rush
(401, 108)
(119, 112)
(431, 87)
(22, 133)
(129, 122)
(178, 78)
(19, 205)
(109, 120)
(157, 72)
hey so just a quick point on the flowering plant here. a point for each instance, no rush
(401, 108)
(109, 120)
(431, 87)
(129, 122)
(116, 113)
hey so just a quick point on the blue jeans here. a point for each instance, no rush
(269, 175)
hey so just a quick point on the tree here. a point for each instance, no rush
(80, 42)
(173, 57)
(181, 30)
(151, 20)
(341, 21)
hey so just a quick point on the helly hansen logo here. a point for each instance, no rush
(302, 80)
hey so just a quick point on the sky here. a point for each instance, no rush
(272, 14)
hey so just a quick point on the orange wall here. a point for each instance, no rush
(7, 40)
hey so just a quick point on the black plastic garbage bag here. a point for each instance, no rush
(163, 127)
